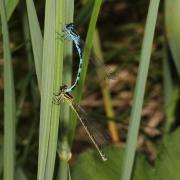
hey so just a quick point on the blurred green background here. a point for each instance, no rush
(112, 54)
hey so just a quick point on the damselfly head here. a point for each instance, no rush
(63, 87)
(64, 93)
(69, 26)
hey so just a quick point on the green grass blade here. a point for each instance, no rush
(173, 29)
(171, 92)
(25, 81)
(58, 69)
(63, 171)
(65, 110)
(10, 7)
(36, 38)
(46, 86)
(104, 87)
(20, 174)
(140, 89)
(88, 47)
(86, 55)
(1, 154)
(9, 102)
(23, 86)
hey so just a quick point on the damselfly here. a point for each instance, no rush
(72, 35)
(93, 133)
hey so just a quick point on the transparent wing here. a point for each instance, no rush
(99, 134)
(95, 134)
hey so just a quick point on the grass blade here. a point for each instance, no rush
(36, 38)
(173, 30)
(88, 46)
(9, 102)
(86, 55)
(140, 89)
(1, 154)
(104, 88)
(23, 85)
(55, 112)
(10, 7)
(46, 86)
(171, 93)
(65, 111)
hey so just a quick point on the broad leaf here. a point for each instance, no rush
(168, 161)
(89, 166)
(172, 19)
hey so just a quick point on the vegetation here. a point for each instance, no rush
(129, 84)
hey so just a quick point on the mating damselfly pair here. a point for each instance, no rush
(64, 94)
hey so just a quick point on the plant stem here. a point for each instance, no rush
(86, 55)
(140, 89)
(104, 88)
(9, 102)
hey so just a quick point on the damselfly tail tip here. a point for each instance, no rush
(104, 158)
